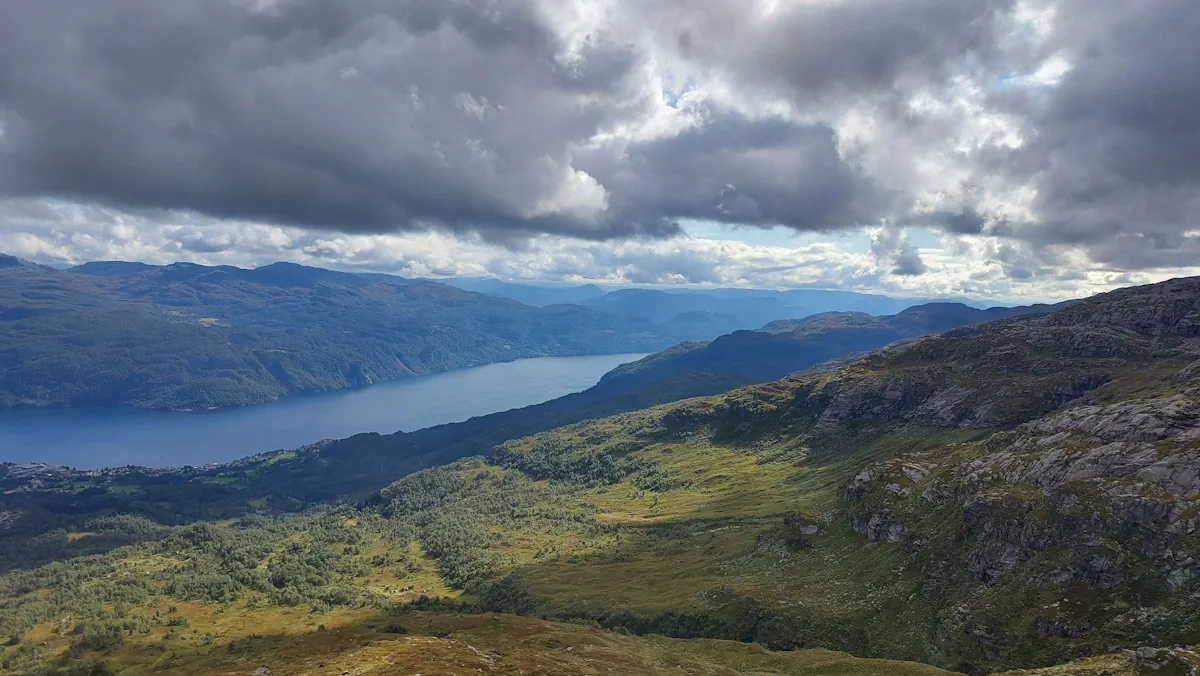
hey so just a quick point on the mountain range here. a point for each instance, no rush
(186, 336)
(1017, 493)
(812, 301)
(784, 346)
(332, 469)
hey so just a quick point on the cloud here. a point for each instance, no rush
(363, 117)
(1062, 127)
(507, 119)
(739, 170)
(388, 115)
(1113, 149)
(973, 265)
(892, 247)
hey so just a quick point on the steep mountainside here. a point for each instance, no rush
(786, 346)
(1015, 494)
(187, 336)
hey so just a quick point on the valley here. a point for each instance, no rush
(1018, 494)
(97, 437)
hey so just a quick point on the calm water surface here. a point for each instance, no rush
(103, 437)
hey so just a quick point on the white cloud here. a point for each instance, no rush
(1052, 141)
(977, 266)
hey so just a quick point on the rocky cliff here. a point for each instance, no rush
(1087, 498)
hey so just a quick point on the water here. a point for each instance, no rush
(110, 437)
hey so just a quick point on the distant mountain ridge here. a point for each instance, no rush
(190, 336)
(531, 294)
(187, 336)
(812, 301)
(784, 346)
(797, 302)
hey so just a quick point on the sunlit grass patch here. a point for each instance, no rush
(279, 457)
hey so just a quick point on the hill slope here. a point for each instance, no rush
(1015, 494)
(187, 336)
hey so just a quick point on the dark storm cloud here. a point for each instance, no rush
(469, 114)
(968, 221)
(739, 170)
(840, 49)
(1114, 149)
(362, 116)
(508, 119)
(892, 247)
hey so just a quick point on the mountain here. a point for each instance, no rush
(334, 469)
(820, 300)
(765, 304)
(529, 294)
(662, 306)
(112, 268)
(754, 308)
(188, 336)
(1007, 495)
(785, 346)
(1010, 494)
(1013, 494)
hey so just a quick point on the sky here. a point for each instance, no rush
(1003, 149)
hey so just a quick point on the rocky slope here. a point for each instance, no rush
(1051, 506)
(1095, 494)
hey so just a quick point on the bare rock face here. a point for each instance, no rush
(1188, 373)
(1165, 661)
(1110, 488)
(1139, 420)
(1171, 308)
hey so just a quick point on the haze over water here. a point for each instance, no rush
(110, 437)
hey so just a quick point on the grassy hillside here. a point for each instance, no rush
(361, 642)
(1019, 494)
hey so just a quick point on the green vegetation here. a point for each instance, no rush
(710, 552)
(1005, 496)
